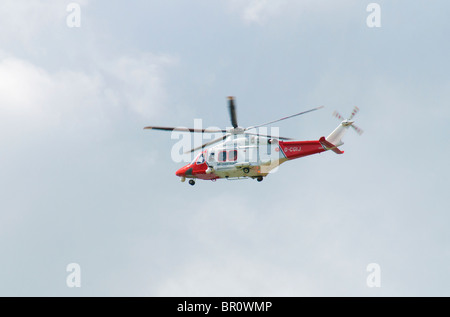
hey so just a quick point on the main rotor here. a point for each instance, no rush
(236, 129)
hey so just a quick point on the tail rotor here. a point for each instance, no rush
(348, 122)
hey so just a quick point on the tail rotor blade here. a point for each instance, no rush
(337, 115)
(232, 109)
(358, 130)
(354, 112)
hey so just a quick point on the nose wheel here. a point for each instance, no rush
(259, 178)
(191, 182)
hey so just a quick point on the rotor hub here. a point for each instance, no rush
(238, 130)
(347, 123)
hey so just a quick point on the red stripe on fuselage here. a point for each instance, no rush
(296, 149)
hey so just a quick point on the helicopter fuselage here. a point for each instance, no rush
(243, 154)
(246, 156)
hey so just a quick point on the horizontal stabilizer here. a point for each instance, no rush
(329, 146)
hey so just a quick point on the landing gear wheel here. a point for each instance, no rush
(246, 170)
(259, 178)
(191, 182)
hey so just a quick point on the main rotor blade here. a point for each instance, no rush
(232, 109)
(288, 117)
(207, 143)
(270, 136)
(186, 129)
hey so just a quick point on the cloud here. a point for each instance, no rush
(262, 11)
(236, 276)
(309, 230)
(23, 22)
(259, 11)
(23, 87)
(33, 95)
(138, 82)
(241, 248)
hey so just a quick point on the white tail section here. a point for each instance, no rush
(336, 136)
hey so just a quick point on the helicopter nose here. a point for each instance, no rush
(180, 172)
(184, 171)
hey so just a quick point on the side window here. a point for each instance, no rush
(201, 159)
(232, 155)
(222, 156)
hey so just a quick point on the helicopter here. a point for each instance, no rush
(242, 154)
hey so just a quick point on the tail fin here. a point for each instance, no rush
(336, 136)
(329, 146)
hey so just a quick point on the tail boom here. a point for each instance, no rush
(297, 149)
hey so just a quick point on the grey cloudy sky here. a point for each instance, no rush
(82, 182)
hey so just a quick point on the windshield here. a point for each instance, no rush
(200, 159)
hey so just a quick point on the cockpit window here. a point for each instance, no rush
(200, 159)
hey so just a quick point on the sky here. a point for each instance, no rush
(82, 182)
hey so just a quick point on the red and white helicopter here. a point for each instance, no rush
(240, 154)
